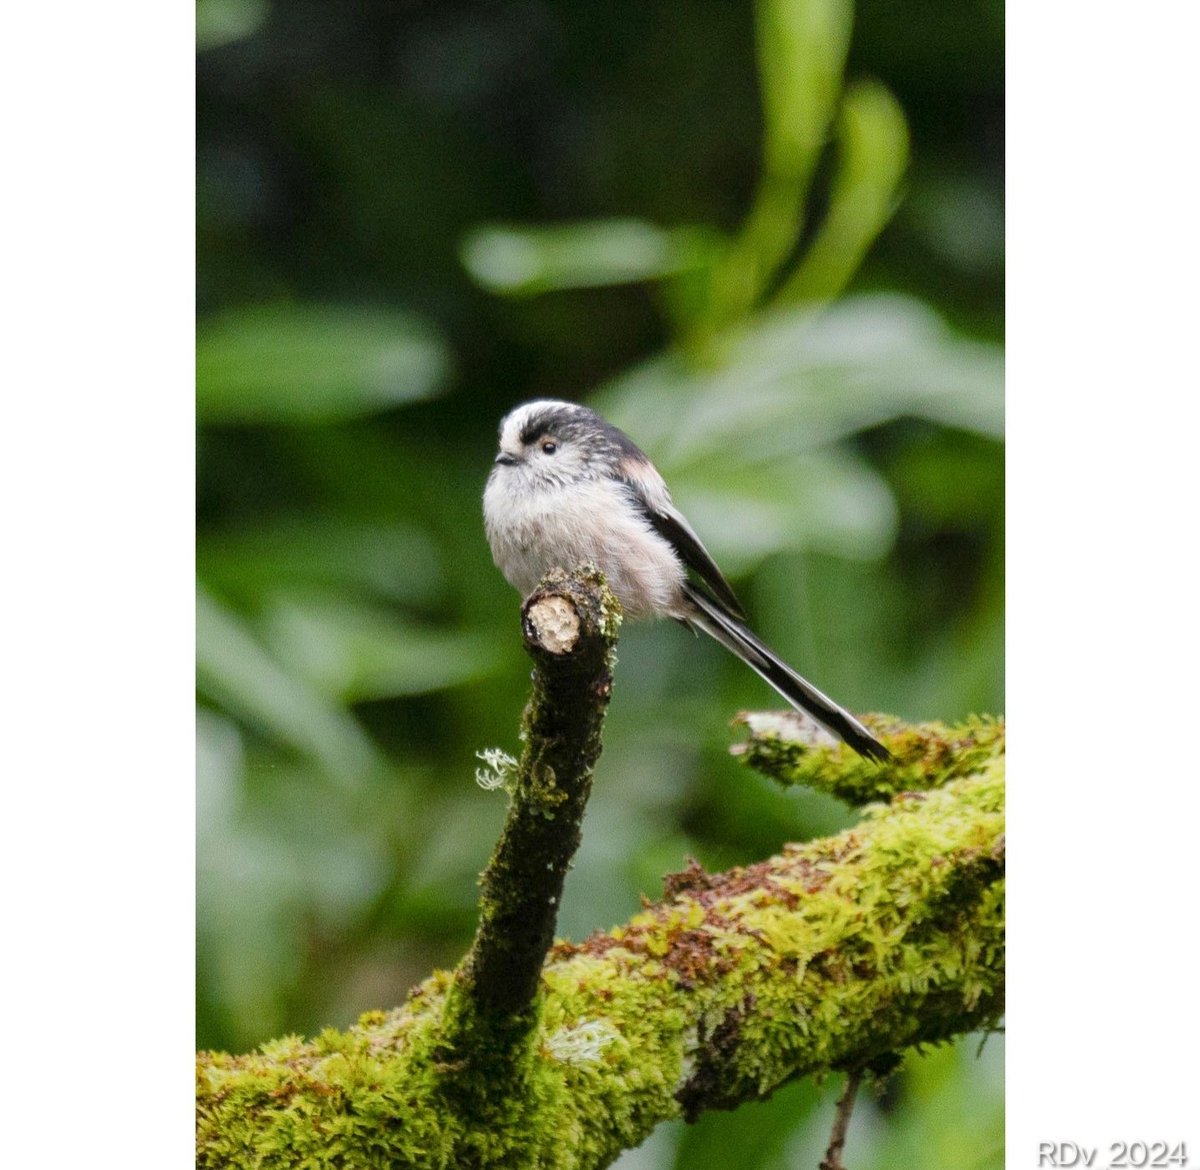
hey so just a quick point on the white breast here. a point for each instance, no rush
(565, 526)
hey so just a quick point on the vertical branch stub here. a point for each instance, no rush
(569, 624)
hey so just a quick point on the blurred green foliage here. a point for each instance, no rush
(765, 241)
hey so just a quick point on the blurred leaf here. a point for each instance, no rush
(799, 378)
(873, 145)
(305, 363)
(351, 651)
(802, 46)
(246, 951)
(526, 261)
(392, 560)
(745, 444)
(218, 22)
(758, 1131)
(952, 1114)
(454, 840)
(236, 671)
(282, 854)
(657, 1152)
(220, 771)
(747, 509)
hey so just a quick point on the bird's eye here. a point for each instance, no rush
(549, 447)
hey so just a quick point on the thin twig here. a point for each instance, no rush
(841, 1121)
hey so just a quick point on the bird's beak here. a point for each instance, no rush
(506, 459)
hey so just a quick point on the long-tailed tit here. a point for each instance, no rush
(568, 488)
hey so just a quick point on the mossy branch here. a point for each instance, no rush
(791, 749)
(570, 630)
(834, 954)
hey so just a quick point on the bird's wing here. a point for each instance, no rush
(649, 493)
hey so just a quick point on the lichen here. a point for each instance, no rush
(499, 772)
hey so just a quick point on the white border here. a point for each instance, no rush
(96, 479)
(1104, 789)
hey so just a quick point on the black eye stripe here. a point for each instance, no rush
(560, 423)
(534, 430)
(568, 423)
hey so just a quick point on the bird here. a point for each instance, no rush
(568, 488)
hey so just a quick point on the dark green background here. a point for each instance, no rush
(356, 645)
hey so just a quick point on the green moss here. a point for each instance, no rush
(838, 952)
(925, 755)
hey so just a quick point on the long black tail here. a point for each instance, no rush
(711, 617)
